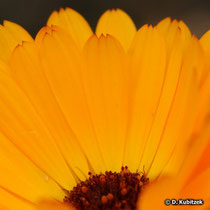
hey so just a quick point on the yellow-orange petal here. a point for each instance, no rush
(73, 22)
(204, 104)
(104, 76)
(155, 193)
(146, 66)
(21, 123)
(204, 91)
(12, 201)
(21, 177)
(118, 24)
(53, 205)
(205, 41)
(204, 161)
(183, 108)
(169, 29)
(171, 188)
(162, 126)
(11, 35)
(58, 51)
(196, 151)
(198, 187)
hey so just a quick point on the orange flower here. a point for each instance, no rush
(73, 103)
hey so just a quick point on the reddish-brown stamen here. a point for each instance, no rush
(108, 191)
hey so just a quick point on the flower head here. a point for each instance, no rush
(75, 103)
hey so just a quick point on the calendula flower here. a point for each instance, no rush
(118, 119)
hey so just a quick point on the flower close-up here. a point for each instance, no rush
(118, 118)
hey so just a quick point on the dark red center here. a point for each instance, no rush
(108, 191)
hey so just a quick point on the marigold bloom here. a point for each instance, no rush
(73, 102)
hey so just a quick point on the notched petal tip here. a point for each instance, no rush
(11, 34)
(100, 37)
(144, 27)
(46, 30)
(41, 34)
(118, 24)
(56, 35)
(73, 23)
(19, 46)
(114, 10)
(106, 39)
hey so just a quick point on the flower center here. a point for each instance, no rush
(108, 191)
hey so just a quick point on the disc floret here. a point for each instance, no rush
(110, 190)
